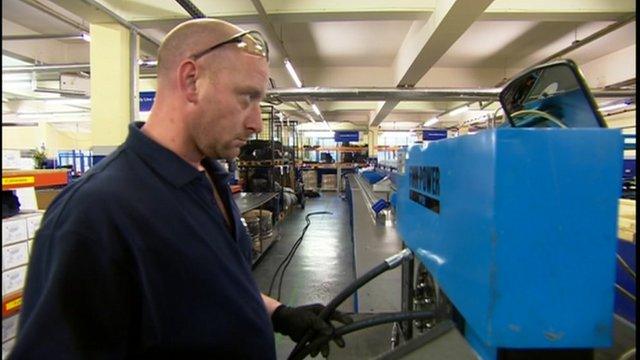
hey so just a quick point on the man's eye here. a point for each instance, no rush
(245, 99)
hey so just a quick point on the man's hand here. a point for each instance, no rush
(296, 321)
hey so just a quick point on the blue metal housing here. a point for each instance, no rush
(519, 228)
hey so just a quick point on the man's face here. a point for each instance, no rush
(230, 106)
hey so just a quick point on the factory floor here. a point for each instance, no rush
(322, 266)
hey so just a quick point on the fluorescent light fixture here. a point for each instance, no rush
(67, 101)
(46, 115)
(62, 121)
(292, 72)
(459, 110)
(318, 134)
(613, 106)
(147, 63)
(315, 109)
(86, 37)
(326, 124)
(33, 116)
(431, 121)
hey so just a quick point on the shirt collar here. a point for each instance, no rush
(164, 161)
(214, 167)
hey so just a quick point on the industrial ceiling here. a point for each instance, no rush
(358, 44)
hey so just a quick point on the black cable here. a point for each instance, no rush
(288, 261)
(293, 249)
(292, 252)
(363, 324)
(296, 246)
(387, 264)
(626, 266)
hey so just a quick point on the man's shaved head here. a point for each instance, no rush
(187, 39)
(208, 105)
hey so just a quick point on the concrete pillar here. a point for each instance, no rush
(373, 142)
(110, 84)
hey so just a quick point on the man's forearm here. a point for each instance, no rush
(270, 304)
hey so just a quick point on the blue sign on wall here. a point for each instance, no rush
(146, 100)
(342, 136)
(431, 135)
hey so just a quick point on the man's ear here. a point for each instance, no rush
(187, 76)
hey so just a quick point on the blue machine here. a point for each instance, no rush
(519, 228)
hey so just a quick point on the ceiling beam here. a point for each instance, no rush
(75, 23)
(428, 41)
(553, 10)
(44, 37)
(372, 10)
(595, 36)
(399, 94)
(382, 111)
(96, 12)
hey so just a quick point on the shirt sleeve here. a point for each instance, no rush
(78, 299)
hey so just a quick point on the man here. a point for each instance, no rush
(145, 255)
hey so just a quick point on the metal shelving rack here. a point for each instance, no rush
(248, 168)
(281, 169)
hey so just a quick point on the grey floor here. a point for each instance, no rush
(322, 266)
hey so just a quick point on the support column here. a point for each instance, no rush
(111, 80)
(373, 141)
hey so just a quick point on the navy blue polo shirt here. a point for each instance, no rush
(136, 260)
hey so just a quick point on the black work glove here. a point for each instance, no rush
(296, 321)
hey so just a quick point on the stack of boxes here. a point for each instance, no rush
(310, 179)
(17, 238)
(329, 182)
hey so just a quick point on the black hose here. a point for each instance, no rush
(362, 324)
(336, 301)
(295, 247)
(292, 252)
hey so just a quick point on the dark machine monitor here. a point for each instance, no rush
(550, 95)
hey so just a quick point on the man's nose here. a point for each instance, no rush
(254, 121)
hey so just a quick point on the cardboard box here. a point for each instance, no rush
(10, 159)
(13, 280)
(14, 255)
(44, 197)
(33, 224)
(7, 347)
(310, 179)
(14, 229)
(329, 182)
(9, 328)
